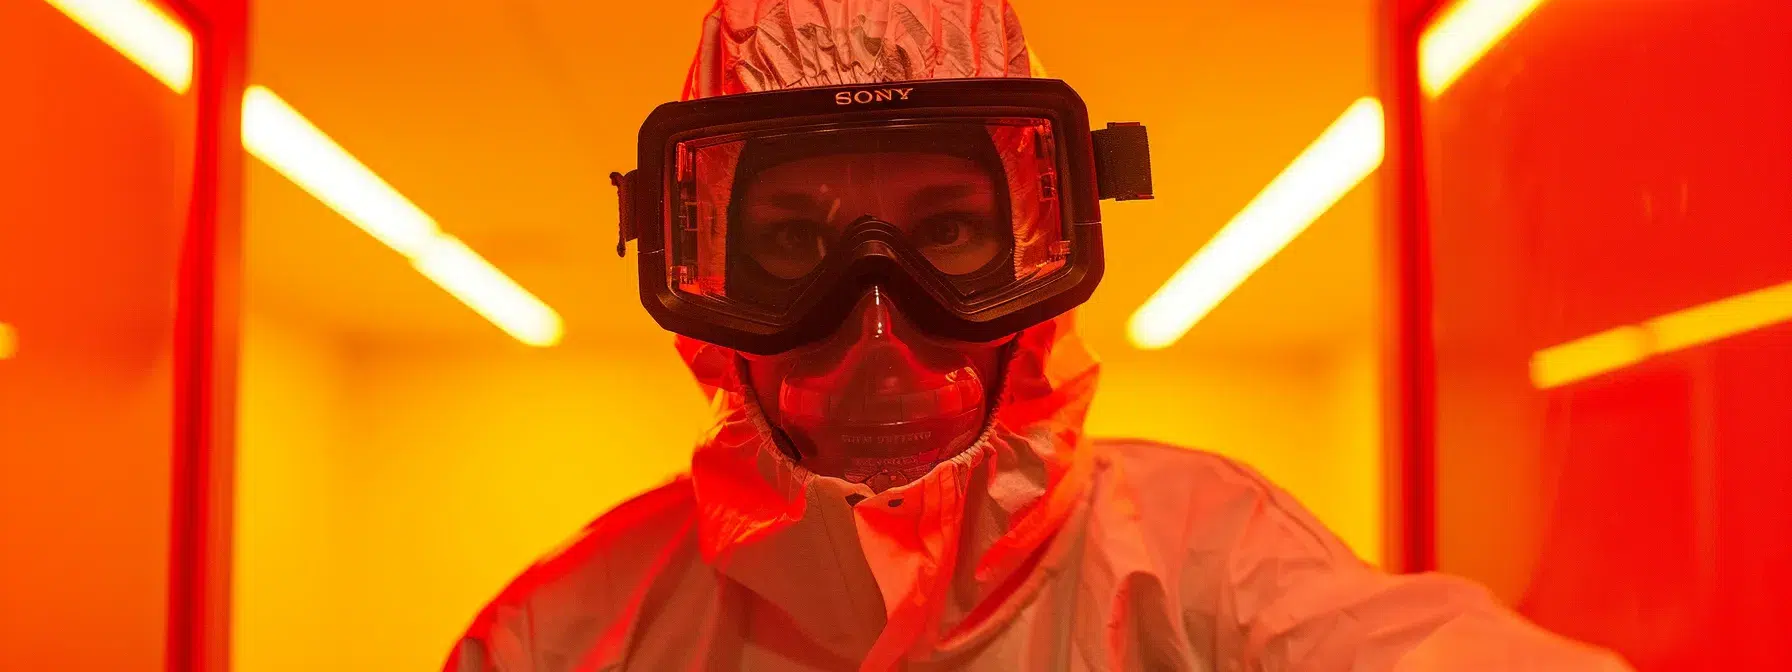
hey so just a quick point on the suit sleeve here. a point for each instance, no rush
(469, 656)
(496, 642)
(1301, 600)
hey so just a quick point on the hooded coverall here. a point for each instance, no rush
(1037, 548)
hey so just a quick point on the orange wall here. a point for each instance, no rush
(84, 473)
(1491, 478)
(95, 158)
(1605, 170)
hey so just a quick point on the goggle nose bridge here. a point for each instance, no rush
(869, 237)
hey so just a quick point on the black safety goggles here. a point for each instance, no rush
(973, 204)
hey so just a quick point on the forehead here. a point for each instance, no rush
(867, 171)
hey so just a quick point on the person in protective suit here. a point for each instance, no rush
(868, 223)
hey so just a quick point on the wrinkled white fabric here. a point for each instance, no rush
(1035, 549)
(1175, 560)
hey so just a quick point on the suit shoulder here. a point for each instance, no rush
(1215, 497)
(616, 548)
(581, 591)
(1148, 462)
(648, 519)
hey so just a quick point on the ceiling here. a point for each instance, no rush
(503, 118)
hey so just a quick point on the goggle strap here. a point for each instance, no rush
(625, 206)
(1122, 162)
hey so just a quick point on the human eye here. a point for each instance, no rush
(956, 242)
(947, 230)
(789, 248)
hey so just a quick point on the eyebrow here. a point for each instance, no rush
(786, 200)
(944, 192)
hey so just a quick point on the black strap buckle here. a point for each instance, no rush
(625, 206)
(1122, 162)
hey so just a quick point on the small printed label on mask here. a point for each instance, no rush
(885, 439)
(927, 458)
(881, 473)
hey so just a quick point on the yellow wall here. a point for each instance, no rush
(391, 491)
(1354, 468)
(470, 465)
(288, 600)
(1307, 421)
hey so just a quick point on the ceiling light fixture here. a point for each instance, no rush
(1341, 157)
(1461, 35)
(287, 142)
(142, 32)
(1618, 348)
(485, 289)
(1334, 164)
(290, 144)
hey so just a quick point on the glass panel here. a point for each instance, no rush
(94, 191)
(1611, 231)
